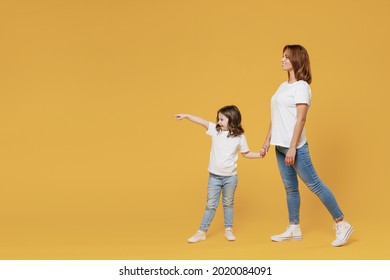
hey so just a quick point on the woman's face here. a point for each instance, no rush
(286, 64)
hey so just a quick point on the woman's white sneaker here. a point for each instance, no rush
(293, 232)
(343, 232)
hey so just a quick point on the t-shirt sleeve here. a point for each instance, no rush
(211, 130)
(243, 144)
(303, 94)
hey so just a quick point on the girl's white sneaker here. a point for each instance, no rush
(229, 234)
(198, 236)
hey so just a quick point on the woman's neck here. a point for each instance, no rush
(291, 77)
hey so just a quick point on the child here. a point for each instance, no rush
(227, 140)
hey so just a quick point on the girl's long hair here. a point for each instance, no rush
(233, 115)
(300, 62)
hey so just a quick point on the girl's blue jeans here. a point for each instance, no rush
(305, 170)
(219, 184)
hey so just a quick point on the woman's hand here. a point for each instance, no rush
(290, 156)
(264, 150)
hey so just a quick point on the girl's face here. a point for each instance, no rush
(286, 64)
(223, 122)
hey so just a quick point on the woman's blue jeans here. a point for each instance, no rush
(217, 185)
(305, 170)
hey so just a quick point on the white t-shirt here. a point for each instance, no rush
(284, 112)
(224, 151)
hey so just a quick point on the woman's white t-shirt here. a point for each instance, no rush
(284, 112)
(224, 151)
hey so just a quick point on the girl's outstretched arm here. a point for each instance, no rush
(194, 119)
(251, 155)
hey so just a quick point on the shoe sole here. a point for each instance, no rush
(279, 239)
(231, 239)
(345, 240)
(195, 241)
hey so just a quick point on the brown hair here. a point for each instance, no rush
(300, 62)
(233, 115)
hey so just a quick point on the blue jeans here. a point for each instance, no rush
(304, 168)
(217, 184)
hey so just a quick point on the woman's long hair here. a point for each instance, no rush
(300, 62)
(233, 115)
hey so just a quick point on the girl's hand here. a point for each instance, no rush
(180, 116)
(290, 156)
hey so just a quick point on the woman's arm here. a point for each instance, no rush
(298, 128)
(194, 119)
(265, 147)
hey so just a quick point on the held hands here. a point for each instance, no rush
(264, 150)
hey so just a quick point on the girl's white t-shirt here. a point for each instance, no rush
(284, 112)
(224, 151)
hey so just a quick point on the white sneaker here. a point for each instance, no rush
(198, 236)
(343, 231)
(229, 234)
(293, 232)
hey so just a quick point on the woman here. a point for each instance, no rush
(289, 107)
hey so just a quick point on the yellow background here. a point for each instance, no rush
(94, 166)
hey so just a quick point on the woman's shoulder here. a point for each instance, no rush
(302, 83)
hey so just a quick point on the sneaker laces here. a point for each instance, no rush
(338, 227)
(289, 229)
(198, 234)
